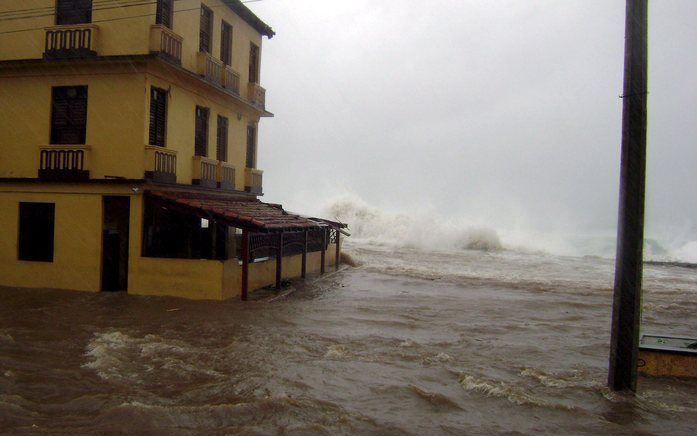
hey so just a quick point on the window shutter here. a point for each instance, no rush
(226, 44)
(73, 11)
(164, 13)
(221, 150)
(254, 64)
(206, 30)
(69, 115)
(251, 146)
(201, 136)
(158, 117)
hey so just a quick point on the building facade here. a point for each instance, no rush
(129, 136)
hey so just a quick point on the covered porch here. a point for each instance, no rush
(225, 246)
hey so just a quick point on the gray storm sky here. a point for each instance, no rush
(501, 111)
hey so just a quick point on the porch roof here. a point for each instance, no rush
(241, 212)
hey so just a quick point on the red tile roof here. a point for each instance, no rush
(245, 213)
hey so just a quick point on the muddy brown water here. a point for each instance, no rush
(458, 343)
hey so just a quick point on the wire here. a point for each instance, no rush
(110, 19)
(50, 14)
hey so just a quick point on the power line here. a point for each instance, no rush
(110, 19)
(47, 8)
(50, 14)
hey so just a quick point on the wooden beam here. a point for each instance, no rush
(279, 261)
(324, 249)
(626, 309)
(338, 250)
(303, 269)
(245, 264)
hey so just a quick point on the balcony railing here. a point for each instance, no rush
(204, 172)
(231, 81)
(256, 95)
(209, 68)
(166, 43)
(226, 176)
(71, 41)
(64, 162)
(160, 164)
(253, 180)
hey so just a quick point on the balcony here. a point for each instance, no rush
(71, 41)
(226, 176)
(160, 164)
(256, 95)
(204, 172)
(64, 162)
(253, 180)
(166, 43)
(209, 68)
(231, 80)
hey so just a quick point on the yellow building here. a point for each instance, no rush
(128, 136)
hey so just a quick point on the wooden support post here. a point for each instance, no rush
(324, 249)
(303, 268)
(279, 261)
(245, 264)
(626, 309)
(338, 250)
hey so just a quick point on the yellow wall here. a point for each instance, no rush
(116, 118)
(77, 239)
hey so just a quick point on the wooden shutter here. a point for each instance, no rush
(73, 11)
(69, 115)
(158, 117)
(206, 31)
(251, 146)
(226, 44)
(165, 13)
(254, 64)
(221, 149)
(201, 139)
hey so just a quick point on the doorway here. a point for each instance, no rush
(115, 231)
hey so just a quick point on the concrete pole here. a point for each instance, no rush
(626, 310)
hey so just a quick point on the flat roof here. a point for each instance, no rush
(250, 17)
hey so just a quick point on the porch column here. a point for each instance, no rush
(279, 261)
(303, 270)
(338, 244)
(245, 264)
(324, 248)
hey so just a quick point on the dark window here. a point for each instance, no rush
(226, 44)
(36, 227)
(73, 11)
(165, 13)
(221, 150)
(206, 31)
(201, 139)
(69, 115)
(254, 64)
(251, 146)
(158, 116)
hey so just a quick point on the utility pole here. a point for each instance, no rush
(626, 309)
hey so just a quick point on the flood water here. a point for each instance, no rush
(408, 343)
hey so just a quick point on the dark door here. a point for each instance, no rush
(115, 243)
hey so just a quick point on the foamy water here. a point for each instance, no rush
(410, 342)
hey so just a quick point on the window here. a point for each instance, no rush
(165, 13)
(69, 115)
(206, 31)
(73, 11)
(201, 139)
(158, 116)
(251, 146)
(36, 227)
(226, 44)
(221, 150)
(254, 64)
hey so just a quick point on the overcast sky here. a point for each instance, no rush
(506, 112)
